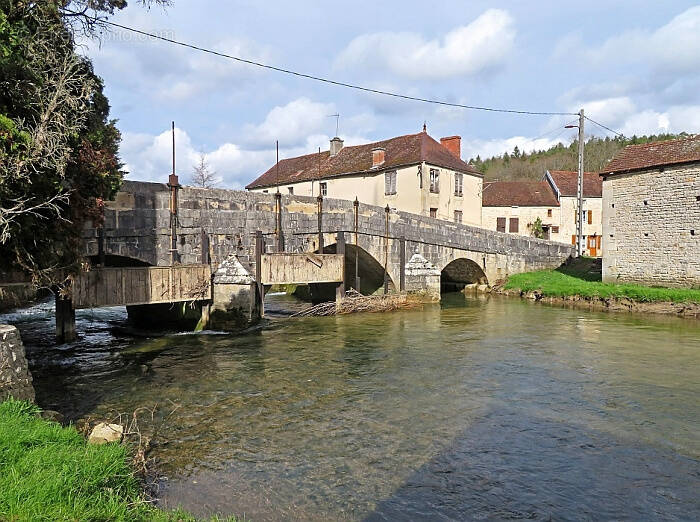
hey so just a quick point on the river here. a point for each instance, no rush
(475, 409)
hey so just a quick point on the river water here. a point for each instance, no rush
(474, 409)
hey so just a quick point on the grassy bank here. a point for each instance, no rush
(582, 278)
(48, 472)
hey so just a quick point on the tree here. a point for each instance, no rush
(202, 175)
(537, 229)
(58, 149)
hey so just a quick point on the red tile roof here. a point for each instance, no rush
(518, 193)
(411, 149)
(655, 154)
(567, 183)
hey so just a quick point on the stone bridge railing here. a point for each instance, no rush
(137, 226)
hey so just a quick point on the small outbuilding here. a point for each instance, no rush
(651, 214)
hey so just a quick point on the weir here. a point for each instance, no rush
(248, 241)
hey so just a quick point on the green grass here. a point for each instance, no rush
(48, 472)
(580, 278)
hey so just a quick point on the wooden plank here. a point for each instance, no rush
(302, 268)
(141, 285)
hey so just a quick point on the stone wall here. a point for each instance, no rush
(15, 379)
(651, 227)
(229, 218)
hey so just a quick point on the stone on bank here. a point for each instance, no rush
(15, 379)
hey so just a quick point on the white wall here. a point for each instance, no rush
(526, 215)
(409, 197)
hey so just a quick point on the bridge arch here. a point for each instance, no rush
(112, 260)
(459, 273)
(370, 270)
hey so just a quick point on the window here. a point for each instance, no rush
(324, 188)
(590, 217)
(501, 224)
(265, 191)
(433, 213)
(291, 190)
(458, 216)
(459, 184)
(549, 212)
(555, 229)
(434, 181)
(513, 225)
(390, 182)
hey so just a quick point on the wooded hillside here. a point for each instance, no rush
(520, 165)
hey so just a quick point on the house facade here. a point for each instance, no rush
(413, 173)
(651, 214)
(564, 183)
(515, 206)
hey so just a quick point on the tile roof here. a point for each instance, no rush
(567, 183)
(518, 193)
(402, 150)
(655, 154)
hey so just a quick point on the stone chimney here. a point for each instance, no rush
(453, 144)
(336, 145)
(378, 156)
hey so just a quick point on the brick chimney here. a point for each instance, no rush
(378, 156)
(453, 144)
(336, 145)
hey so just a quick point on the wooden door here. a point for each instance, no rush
(593, 246)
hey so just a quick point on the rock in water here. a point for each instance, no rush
(104, 433)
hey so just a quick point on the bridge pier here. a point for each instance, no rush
(65, 320)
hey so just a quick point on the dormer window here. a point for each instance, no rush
(378, 156)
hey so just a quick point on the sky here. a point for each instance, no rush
(632, 66)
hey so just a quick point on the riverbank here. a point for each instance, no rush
(579, 283)
(50, 472)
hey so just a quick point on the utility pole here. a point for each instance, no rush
(579, 228)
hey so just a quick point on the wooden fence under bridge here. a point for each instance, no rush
(141, 285)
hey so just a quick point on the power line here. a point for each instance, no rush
(604, 127)
(333, 82)
(563, 128)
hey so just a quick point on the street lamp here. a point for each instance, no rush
(579, 192)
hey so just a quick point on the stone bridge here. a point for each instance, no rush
(382, 247)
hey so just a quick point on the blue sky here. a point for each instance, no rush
(633, 66)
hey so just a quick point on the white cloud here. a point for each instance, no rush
(167, 72)
(622, 114)
(292, 123)
(482, 45)
(671, 48)
(149, 158)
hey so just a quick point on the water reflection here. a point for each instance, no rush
(485, 408)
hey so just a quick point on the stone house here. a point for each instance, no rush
(514, 206)
(651, 214)
(412, 173)
(565, 186)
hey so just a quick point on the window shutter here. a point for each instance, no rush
(501, 224)
(514, 225)
(590, 217)
(387, 183)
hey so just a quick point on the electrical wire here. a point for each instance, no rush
(554, 130)
(333, 82)
(604, 127)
